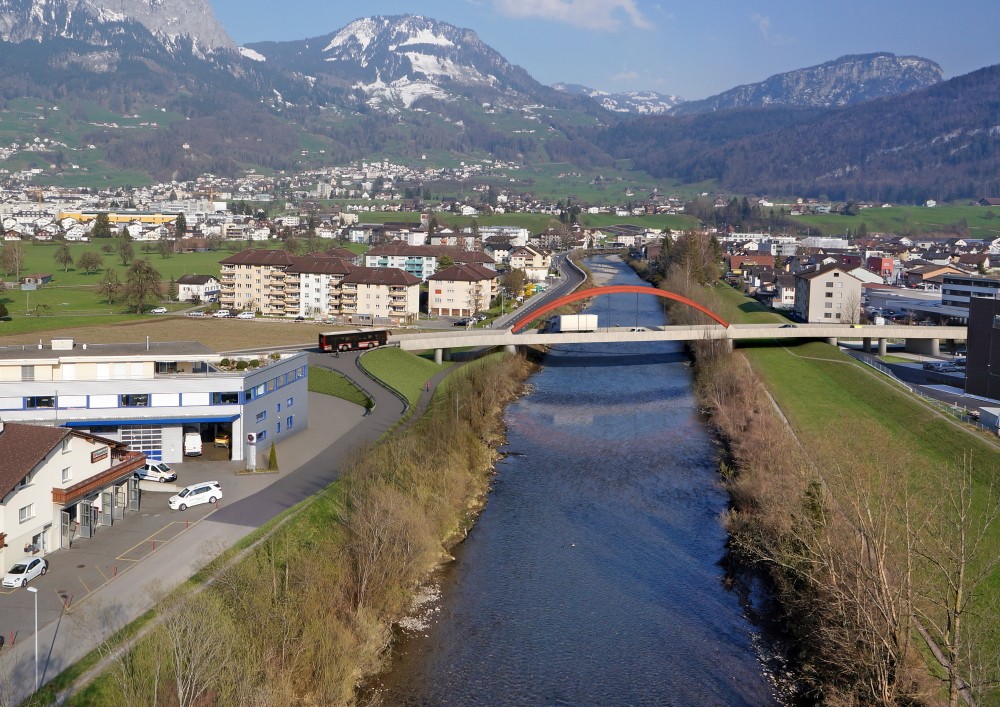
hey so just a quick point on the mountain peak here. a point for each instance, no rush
(848, 80)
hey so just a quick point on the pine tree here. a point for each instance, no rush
(272, 459)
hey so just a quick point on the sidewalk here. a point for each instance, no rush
(120, 571)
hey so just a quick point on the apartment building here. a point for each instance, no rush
(461, 290)
(535, 262)
(829, 295)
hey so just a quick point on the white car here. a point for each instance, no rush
(197, 313)
(22, 571)
(204, 492)
(246, 315)
(158, 310)
(222, 314)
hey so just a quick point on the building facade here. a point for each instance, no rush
(982, 368)
(461, 290)
(59, 484)
(147, 395)
(829, 295)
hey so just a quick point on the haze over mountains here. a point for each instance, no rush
(405, 86)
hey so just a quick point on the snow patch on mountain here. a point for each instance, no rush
(251, 54)
(426, 36)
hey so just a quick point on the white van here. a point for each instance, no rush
(156, 471)
(192, 444)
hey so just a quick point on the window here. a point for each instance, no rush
(232, 398)
(164, 367)
(23, 482)
(26, 513)
(829, 284)
(262, 435)
(279, 407)
(289, 402)
(67, 474)
(134, 400)
(289, 422)
(27, 373)
(829, 294)
(828, 305)
(827, 315)
(40, 401)
(261, 416)
(279, 427)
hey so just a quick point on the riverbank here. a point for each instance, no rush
(306, 615)
(849, 495)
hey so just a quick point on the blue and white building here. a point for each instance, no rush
(146, 395)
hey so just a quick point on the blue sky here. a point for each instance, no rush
(691, 49)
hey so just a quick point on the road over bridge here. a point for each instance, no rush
(919, 339)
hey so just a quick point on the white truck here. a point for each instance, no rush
(573, 322)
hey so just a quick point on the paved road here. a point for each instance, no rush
(101, 584)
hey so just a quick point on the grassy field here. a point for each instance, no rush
(403, 371)
(910, 220)
(327, 382)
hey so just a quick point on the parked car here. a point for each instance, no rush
(195, 494)
(222, 439)
(222, 314)
(158, 310)
(23, 571)
(300, 318)
(788, 326)
(464, 321)
(156, 471)
(197, 313)
(638, 328)
(246, 315)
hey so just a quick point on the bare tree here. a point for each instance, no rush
(195, 635)
(90, 262)
(958, 556)
(12, 259)
(110, 286)
(63, 256)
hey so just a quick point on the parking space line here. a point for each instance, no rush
(84, 584)
(98, 568)
(149, 544)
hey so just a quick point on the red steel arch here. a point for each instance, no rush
(613, 290)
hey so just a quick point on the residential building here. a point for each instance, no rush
(828, 295)
(254, 280)
(198, 288)
(60, 484)
(535, 262)
(419, 261)
(461, 290)
(145, 394)
(371, 295)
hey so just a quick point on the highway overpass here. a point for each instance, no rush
(918, 339)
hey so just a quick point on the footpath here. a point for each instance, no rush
(124, 585)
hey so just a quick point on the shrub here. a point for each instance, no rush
(241, 365)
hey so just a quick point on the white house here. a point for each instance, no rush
(60, 484)
(198, 288)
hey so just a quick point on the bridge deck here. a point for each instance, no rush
(735, 332)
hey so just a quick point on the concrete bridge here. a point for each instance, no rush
(924, 340)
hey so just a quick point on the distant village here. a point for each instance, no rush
(257, 209)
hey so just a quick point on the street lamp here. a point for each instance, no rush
(34, 591)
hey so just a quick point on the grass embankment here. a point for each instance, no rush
(327, 382)
(851, 505)
(401, 370)
(307, 614)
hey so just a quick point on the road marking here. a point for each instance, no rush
(84, 584)
(98, 568)
(142, 549)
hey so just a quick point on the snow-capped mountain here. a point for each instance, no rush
(398, 60)
(92, 21)
(632, 102)
(848, 80)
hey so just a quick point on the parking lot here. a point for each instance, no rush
(75, 573)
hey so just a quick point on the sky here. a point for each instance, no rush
(691, 49)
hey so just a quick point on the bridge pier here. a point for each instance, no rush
(832, 341)
(510, 348)
(881, 346)
(926, 347)
(437, 356)
(866, 344)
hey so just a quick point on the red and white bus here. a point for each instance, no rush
(354, 340)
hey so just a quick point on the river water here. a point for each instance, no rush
(593, 576)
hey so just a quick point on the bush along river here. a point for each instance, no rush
(594, 575)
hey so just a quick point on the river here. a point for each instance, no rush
(594, 575)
